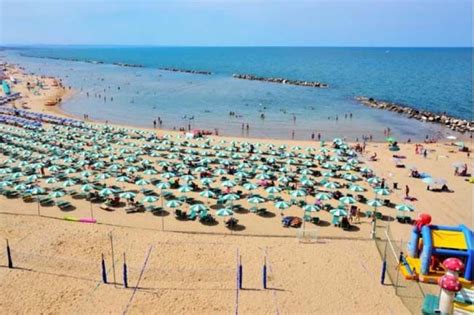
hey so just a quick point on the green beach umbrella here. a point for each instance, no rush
(331, 185)
(272, 190)
(150, 199)
(298, 193)
(207, 194)
(310, 208)
(106, 192)
(256, 200)
(338, 212)
(347, 200)
(173, 203)
(56, 194)
(51, 180)
(356, 188)
(142, 182)
(87, 187)
(228, 183)
(323, 196)
(198, 207)
(405, 207)
(69, 183)
(374, 203)
(128, 195)
(224, 212)
(282, 205)
(123, 179)
(382, 191)
(185, 189)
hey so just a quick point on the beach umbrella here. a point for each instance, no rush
(173, 203)
(228, 183)
(356, 188)
(306, 182)
(51, 180)
(87, 187)
(198, 207)
(382, 191)
(150, 171)
(284, 179)
(272, 190)
(405, 207)
(163, 185)
(206, 181)
(32, 178)
(250, 186)
(106, 192)
(338, 212)
(331, 185)
(262, 176)
(282, 205)
(128, 195)
(350, 177)
(20, 187)
(298, 193)
(102, 176)
(142, 182)
(373, 181)
(69, 183)
(323, 196)
(54, 168)
(207, 194)
(374, 203)
(150, 199)
(231, 197)
(224, 212)
(56, 194)
(347, 200)
(256, 200)
(185, 189)
(346, 167)
(132, 169)
(390, 139)
(311, 208)
(365, 170)
(187, 178)
(123, 179)
(86, 174)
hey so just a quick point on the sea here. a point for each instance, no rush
(434, 79)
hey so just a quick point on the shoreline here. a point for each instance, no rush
(67, 93)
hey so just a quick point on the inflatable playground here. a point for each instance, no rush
(442, 255)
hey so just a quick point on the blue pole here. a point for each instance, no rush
(9, 256)
(240, 273)
(265, 276)
(125, 277)
(384, 269)
(104, 271)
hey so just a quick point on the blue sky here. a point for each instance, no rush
(413, 23)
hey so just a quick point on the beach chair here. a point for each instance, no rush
(315, 220)
(307, 218)
(11, 193)
(27, 197)
(46, 201)
(335, 220)
(378, 215)
(63, 205)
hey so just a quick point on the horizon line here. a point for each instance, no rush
(212, 46)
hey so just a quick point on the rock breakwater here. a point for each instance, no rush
(186, 71)
(453, 123)
(280, 80)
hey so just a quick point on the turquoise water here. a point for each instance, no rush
(430, 78)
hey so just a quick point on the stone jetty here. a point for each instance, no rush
(130, 65)
(279, 80)
(186, 71)
(455, 124)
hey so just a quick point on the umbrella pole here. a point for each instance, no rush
(92, 211)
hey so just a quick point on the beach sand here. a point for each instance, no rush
(192, 267)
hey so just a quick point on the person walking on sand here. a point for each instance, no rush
(319, 136)
(407, 191)
(312, 136)
(425, 153)
(154, 124)
(293, 134)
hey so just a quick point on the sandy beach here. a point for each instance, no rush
(192, 267)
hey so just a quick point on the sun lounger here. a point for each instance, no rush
(62, 204)
(180, 215)
(106, 208)
(46, 201)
